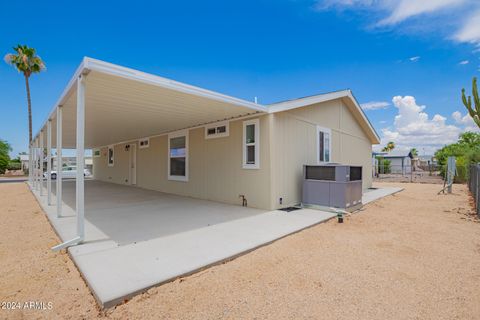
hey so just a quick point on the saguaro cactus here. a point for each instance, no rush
(474, 112)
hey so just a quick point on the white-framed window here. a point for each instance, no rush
(324, 144)
(110, 156)
(251, 144)
(178, 156)
(217, 130)
(96, 153)
(144, 143)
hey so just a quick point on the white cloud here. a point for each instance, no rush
(466, 121)
(375, 105)
(413, 128)
(339, 4)
(470, 31)
(405, 9)
(464, 62)
(463, 15)
(414, 59)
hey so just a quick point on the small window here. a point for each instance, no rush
(324, 144)
(96, 153)
(216, 130)
(144, 143)
(178, 156)
(251, 144)
(110, 156)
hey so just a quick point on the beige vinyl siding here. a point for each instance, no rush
(215, 167)
(118, 173)
(288, 140)
(295, 144)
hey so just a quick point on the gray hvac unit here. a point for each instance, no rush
(333, 185)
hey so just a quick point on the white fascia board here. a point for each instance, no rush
(302, 102)
(364, 116)
(127, 73)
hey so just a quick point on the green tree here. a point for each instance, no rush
(26, 61)
(4, 157)
(469, 139)
(473, 111)
(414, 152)
(466, 151)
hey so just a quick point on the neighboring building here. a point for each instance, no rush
(158, 134)
(400, 162)
(426, 160)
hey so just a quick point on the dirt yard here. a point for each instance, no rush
(413, 255)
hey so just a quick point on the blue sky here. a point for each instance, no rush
(405, 60)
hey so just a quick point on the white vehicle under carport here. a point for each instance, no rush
(67, 172)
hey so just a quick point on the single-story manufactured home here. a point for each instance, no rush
(153, 133)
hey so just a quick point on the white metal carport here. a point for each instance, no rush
(107, 104)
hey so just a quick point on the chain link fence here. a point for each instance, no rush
(406, 173)
(474, 185)
(431, 173)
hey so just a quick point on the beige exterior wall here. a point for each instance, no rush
(287, 142)
(295, 144)
(215, 167)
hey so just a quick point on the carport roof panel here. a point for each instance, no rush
(123, 104)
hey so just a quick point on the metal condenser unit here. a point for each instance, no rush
(332, 185)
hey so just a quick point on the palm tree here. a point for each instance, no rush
(26, 61)
(390, 146)
(414, 152)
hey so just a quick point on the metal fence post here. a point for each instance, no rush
(476, 189)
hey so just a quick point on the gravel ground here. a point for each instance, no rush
(413, 255)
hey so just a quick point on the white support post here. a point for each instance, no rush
(49, 162)
(80, 182)
(30, 177)
(35, 164)
(80, 186)
(32, 164)
(59, 161)
(40, 171)
(38, 163)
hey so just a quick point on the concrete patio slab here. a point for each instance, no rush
(168, 236)
(373, 194)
